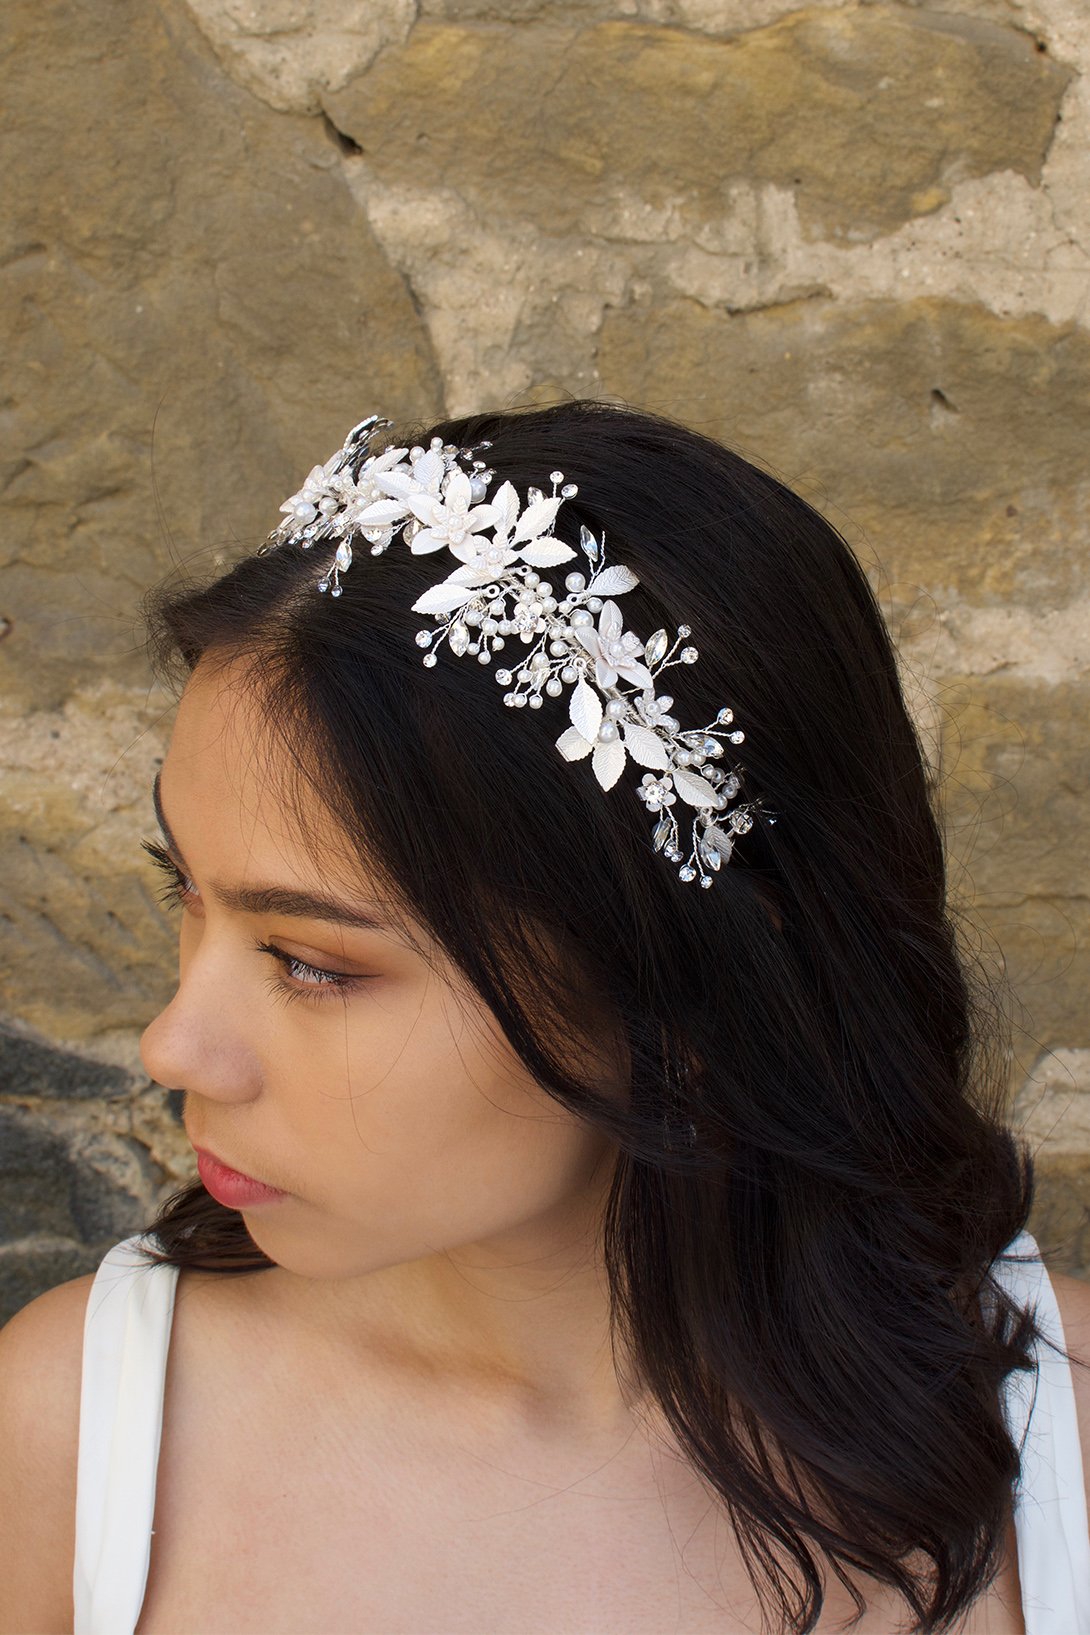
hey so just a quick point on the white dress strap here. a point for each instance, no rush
(1050, 1497)
(126, 1335)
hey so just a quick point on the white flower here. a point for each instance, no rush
(358, 495)
(614, 653)
(656, 792)
(421, 476)
(316, 494)
(654, 712)
(452, 521)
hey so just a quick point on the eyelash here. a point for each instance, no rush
(175, 893)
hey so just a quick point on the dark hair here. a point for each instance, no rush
(807, 1290)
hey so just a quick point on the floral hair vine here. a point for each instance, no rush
(499, 545)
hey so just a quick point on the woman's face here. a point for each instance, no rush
(333, 1061)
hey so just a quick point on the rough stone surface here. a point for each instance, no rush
(1052, 1113)
(967, 487)
(851, 238)
(288, 51)
(186, 279)
(826, 103)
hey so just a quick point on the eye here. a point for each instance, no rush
(179, 888)
(298, 981)
(308, 982)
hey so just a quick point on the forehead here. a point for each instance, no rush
(229, 779)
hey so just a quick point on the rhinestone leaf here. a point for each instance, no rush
(723, 843)
(709, 853)
(654, 649)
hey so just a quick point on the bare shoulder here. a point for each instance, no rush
(41, 1354)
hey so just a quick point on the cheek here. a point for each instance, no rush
(439, 1135)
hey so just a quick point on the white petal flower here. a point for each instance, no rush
(451, 520)
(614, 650)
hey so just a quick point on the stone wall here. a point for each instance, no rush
(851, 239)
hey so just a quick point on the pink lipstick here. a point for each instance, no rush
(231, 1188)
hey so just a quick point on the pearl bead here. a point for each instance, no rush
(616, 708)
(554, 687)
(608, 732)
(575, 581)
(581, 617)
(536, 701)
(595, 604)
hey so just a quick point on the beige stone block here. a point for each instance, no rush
(1052, 1112)
(951, 446)
(565, 124)
(192, 311)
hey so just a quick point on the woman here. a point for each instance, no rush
(604, 1184)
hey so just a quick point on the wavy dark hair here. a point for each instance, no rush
(807, 1290)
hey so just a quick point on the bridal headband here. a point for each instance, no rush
(495, 593)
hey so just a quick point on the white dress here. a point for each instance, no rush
(127, 1331)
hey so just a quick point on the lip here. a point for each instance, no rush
(230, 1187)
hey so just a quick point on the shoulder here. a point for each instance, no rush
(41, 1354)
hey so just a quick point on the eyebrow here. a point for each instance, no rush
(282, 900)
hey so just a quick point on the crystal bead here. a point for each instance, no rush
(725, 716)
(655, 648)
(459, 638)
(423, 638)
(504, 678)
(569, 491)
(706, 880)
(556, 476)
(662, 830)
(430, 659)
(683, 630)
(742, 823)
(689, 655)
(737, 737)
(588, 542)
(686, 873)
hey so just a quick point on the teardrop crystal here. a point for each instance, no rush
(458, 638)
(588, 542)
(655, 648)
(662, 829)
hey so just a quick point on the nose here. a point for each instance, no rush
(199, 1042)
